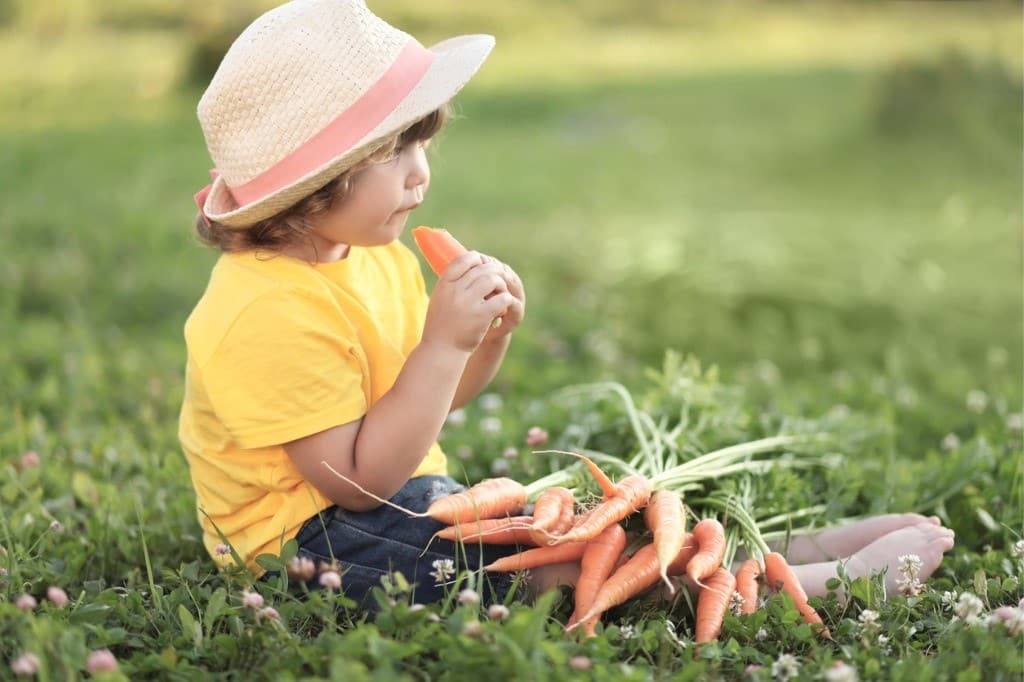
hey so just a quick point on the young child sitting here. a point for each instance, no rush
(316, 342)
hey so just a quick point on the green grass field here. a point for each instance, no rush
(824, 201)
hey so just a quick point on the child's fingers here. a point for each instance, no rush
(462, 265)
(484, 282)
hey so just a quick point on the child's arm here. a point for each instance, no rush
(381, 451)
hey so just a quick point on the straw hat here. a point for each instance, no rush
(303, 93)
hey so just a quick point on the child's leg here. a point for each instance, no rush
(843, 541)
(928, 540)
(544, 578)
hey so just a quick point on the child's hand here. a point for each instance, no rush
(473, 290)
(511, 317)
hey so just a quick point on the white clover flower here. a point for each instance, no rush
(841, 672)
(761, 634)
(910, 567)
(1018, 549)
(221, 549)
(869, 620)
(785, 667)
(468, 597)
(1010, 616)
(510, 453)
(580, 663)
(736, 603)
(456, 417)
(883, 645)
(500, 467)
(330, 579)
(490, 425)
(670, 628)
(444, 570)
(58, 596)
(464, 452)
(26, 602)
(252, 600)
(1015, 421)
(491, 402)
(536, 436)
(977, 401)
(101, 661)
(950, 442)
(25, 665)
(472, 628)
(949, 600)
(56, 526)
(269, 613)
(497, 612)
(969, 607)
(627, 631)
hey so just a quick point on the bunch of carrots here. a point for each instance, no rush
(557, 532)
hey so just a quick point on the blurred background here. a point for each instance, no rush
(822, 198)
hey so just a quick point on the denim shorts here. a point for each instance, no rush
(369, 545)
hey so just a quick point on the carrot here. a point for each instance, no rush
(666, 518)
(438, 246)
(682, 558)
(712, 603)
(746, 584)
(538, 556)
(509, 530)
(632, 578)
(552, 511)
(488, 499)
(781, 576)
(710, 537)
(598, 562)
(631, 494)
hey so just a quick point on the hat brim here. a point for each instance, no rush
(456, 60)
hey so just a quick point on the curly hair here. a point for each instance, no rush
(296, 222)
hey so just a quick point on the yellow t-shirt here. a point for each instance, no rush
(279, 349)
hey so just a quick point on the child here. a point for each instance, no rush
(315, 341)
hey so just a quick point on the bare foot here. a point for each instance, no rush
(928, 540)
(844, 541)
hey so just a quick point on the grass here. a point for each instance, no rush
(837, 228)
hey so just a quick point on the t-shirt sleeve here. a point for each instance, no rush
(289, 366)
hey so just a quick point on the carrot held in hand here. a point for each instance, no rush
(438, 246)
(666, 518)
(746, 584)
(781, 576)
(712, 603)
(488, 499)
(598, 562)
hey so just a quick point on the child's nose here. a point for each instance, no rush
(419, 170)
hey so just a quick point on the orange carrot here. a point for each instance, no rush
(488, 499)
(712, 603)
(549, 512)
(509, 530)
(781, 576)
(682, 558)
(710, 538)
(631, 495)
(438, 246)
(746, 584)
(598, 562)
(666, 519)
(633, 577)
(538, 556)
